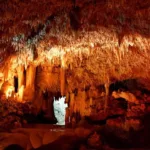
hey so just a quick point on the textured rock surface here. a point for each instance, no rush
(104, 39)
(96, 42)
(84, 50)
(15, 138)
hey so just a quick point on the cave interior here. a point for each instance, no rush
(74, 74)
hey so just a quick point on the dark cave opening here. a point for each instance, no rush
(24, 73)
(16, 84)
(122, 103)
(124, 85)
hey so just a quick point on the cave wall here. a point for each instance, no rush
(126, 98)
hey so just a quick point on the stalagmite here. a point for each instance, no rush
(20, 93)
(7, 79)
(8, 91)
(60, 110)
(107, 93)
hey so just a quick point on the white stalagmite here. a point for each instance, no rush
(60, 110)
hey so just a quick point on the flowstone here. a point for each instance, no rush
(60, 110)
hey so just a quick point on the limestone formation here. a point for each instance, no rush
(94, 53)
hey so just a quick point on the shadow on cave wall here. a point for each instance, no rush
(124, 85)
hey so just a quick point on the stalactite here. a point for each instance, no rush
(20, 72)
(30, 79)
(81, 98)
(80, 55)
(62, 81)
(117, 53)
(72, 102)
(62, 76)
(30, 76)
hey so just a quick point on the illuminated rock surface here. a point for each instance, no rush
(96, 53)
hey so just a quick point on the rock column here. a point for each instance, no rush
(20, 72)
(107, 94)
(62, 81)
(30, 79)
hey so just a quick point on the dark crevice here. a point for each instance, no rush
(16, 84)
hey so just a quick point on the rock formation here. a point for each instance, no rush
(76, 49)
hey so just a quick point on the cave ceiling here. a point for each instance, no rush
(98, 40)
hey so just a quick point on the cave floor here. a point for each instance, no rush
(33, 136)
(48, 136)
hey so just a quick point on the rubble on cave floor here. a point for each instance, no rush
(15, 114)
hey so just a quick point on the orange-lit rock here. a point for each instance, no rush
(87, 50)
(127, 96)
(62, 81)
(30, 82)
(7, 89)
(20, 93)
(21, 77)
